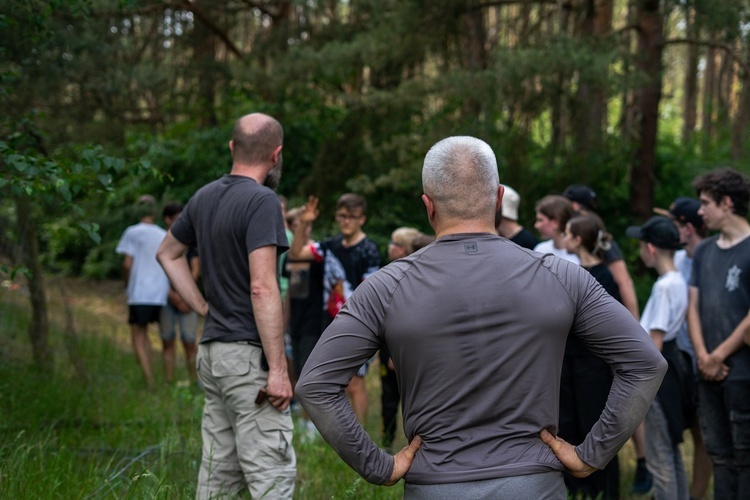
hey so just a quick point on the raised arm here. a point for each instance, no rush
(300, 249)
(171, 256)
(266, 300)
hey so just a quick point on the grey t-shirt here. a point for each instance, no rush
(477, 327)
(228, 219)
(722, 276)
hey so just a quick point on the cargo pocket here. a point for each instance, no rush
(277, 434)
(228, 367)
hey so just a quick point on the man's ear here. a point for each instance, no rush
(231, 146)
(276, 154)
(429, 206)
(500, 193)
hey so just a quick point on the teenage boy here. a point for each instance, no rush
(147, 285)
(348, 258)
(719, 301)
(662, 318)
(684, 213)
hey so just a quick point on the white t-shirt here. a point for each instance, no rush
(148, 284)
(667, 305)
(548, 246)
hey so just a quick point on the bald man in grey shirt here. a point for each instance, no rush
(477, 327)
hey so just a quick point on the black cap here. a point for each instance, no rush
(584, 195)
(659, 231)
(684, 210)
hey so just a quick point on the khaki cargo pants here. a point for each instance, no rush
(244, 445)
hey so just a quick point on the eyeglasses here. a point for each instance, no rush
(395, 244)
(348, 217)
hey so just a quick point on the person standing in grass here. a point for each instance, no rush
(476, 327)
(718, 317)
(177, 313)
(684, 213)
(237, 225)
(662, 318)
(147, 285)
(586, 378)
(348, 259)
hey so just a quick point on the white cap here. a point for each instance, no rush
(511, 200)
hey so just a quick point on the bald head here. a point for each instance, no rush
(254, 138)
(460, 176)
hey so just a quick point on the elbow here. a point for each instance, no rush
(304, 393)
(260, 291)
(301, 391)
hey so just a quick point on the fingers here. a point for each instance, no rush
(279, 403)
(413, 447)
(550, 440)
(403, 459)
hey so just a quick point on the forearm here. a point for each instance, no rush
(330, 410)
(337, 356)
(695, 330)
(300, 249)
(171, 256)
(734, 342)
(625, 286)
(629, 300)
(630, 397)
(182, 281)
(127, 264)
(266, 302)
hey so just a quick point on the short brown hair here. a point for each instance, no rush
(351, 202)
(555, 207)
(725, 182)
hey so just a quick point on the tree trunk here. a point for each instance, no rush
(474, 54)
(648, 96)
(690, 106)
(204, 48)
(591, 97)
(39, 324)
(708, 96)
(739, 126)
(724, 89)
(559, 115)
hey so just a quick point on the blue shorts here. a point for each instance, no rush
(171, 317)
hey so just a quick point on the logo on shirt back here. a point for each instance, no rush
(471, 247)
(733, 278)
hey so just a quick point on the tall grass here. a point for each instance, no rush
(111, 437)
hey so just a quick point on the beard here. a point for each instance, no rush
(274, 176)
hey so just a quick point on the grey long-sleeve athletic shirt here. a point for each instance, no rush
(477, 328)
